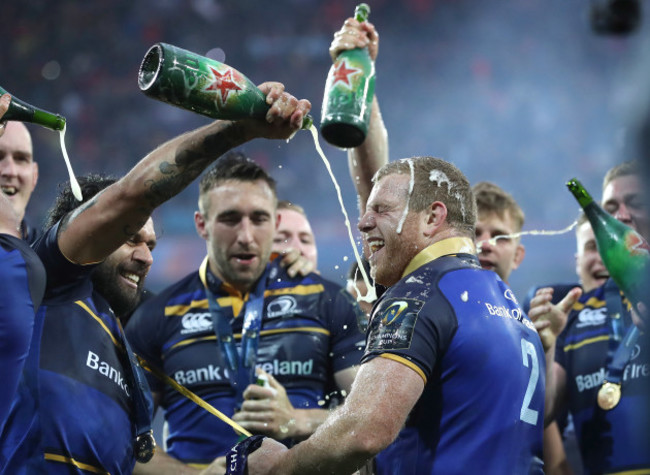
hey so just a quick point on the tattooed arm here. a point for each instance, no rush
(98, 227)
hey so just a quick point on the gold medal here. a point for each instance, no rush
(609, 395)
(144, 447)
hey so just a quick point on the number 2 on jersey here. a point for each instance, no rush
(527, 414)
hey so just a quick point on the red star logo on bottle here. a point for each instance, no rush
(342, 73)
(636, 245)
(224, 83)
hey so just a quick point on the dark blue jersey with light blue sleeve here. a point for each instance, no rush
(23, 284)
(72, 411)
(461, 329)
(618, 440)
(309, 332)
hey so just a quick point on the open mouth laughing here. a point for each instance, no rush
(132, 279)
(9, 190)
(375, 245)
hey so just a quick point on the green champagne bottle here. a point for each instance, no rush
(624, 251)
(349, 90)
(202, 85)
(24, 112)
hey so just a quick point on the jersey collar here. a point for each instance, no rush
(454, 245)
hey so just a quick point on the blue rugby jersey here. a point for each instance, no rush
(72, 411)
(610, 441)
(23, 283)
(461, 329)
(309, 332)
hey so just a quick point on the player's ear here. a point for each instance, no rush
(199, 223)
(436, 216)
(520, 253)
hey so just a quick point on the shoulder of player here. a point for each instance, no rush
(9, 242)
(278, 278)
(592, 300)
(175, 294)
(431, 272)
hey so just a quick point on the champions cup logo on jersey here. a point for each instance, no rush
(196, 322)
(392, 324)
(393, 312)
(282, 306)
(224, 83)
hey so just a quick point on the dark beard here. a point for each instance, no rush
(105, 281)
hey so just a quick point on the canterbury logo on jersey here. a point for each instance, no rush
(102, 367)
(591, 317)
(196, 322)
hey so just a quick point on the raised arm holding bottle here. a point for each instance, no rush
(349, 89)
(202, 85)
(595, 368)
(370, 155)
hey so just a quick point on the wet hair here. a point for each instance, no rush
(65, 202)
(631, 167)
(491, 198)
(437, 180)
(232, 166)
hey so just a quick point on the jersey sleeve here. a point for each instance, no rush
(65, 279)
(411, 331)
(24, 261)
(142, 332)
(346, 337)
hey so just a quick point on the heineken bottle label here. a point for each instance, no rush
(348, 87)
(199, 84)
(636, 245)
(347, 99)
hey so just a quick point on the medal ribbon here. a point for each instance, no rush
(144, 443)
(620, 347)
(191, 396)
(241, 367)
